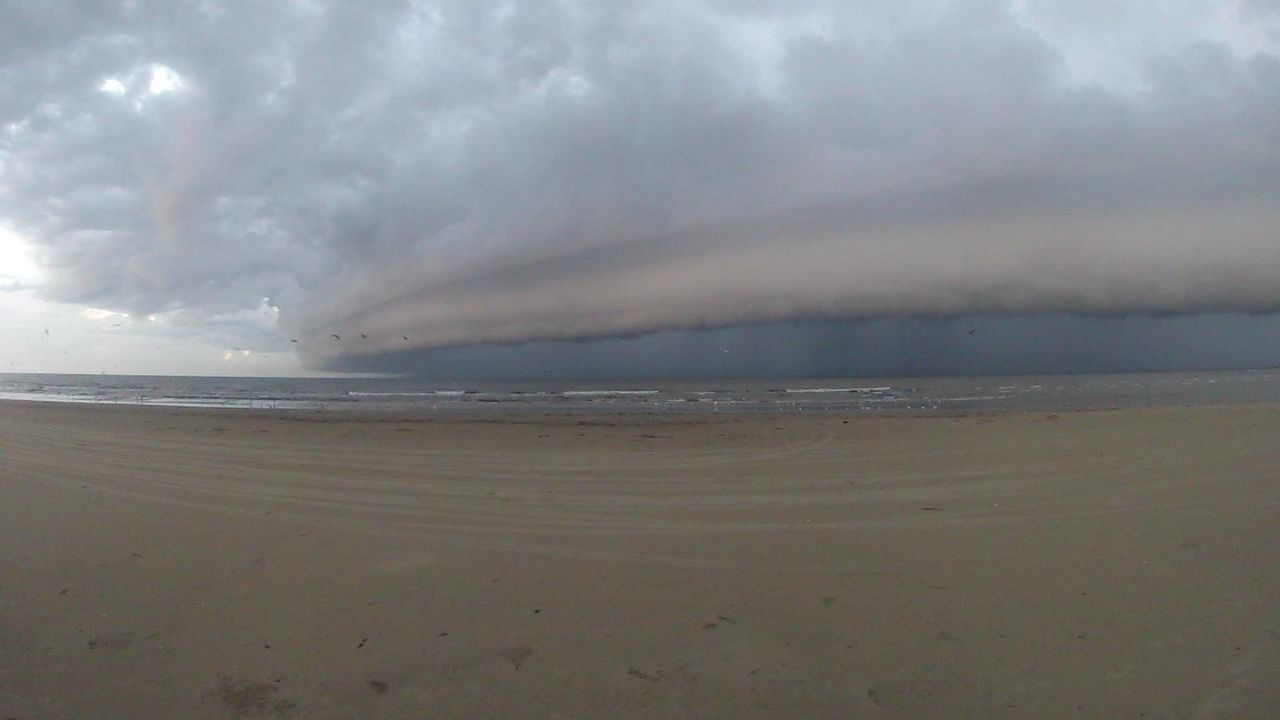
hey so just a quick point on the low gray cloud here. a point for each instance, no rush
(409, 175)
(888, 347)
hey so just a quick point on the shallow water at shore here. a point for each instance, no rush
(1030, 392)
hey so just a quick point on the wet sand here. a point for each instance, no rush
(182, 563)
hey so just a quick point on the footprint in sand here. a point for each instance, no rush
(517, 655)
(249, 698)
(406, 562)
(114, 642)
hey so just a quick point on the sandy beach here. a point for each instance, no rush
(169, 563)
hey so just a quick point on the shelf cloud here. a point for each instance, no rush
(384, 176)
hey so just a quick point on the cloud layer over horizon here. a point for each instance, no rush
(423, 174)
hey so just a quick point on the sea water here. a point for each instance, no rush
(1047, 392)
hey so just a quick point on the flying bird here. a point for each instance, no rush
(293, 340)
(404, 337)
(335, 336)
(363, 336)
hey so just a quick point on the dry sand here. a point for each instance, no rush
(181, 563)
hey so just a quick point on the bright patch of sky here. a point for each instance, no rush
(16, 264)
(112, 85)
(51, 337)
(163, 80)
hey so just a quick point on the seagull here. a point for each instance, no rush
(363, 336)
(972, 331)
(404, 337)
(335, 337)
(293, 339)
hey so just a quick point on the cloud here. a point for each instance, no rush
(447, 173)
(891, 347)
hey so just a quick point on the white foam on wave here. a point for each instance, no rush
(840, 390)
(594, 393)
(433, 393)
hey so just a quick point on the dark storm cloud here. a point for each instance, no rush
(890, 347)
(463, 172)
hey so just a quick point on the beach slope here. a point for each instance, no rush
(224, 564)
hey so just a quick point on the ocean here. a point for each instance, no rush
(1046, 392)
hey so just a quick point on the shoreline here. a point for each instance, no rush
(543, 414)
(811, 395)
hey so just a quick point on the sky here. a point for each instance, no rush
(678, 188)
